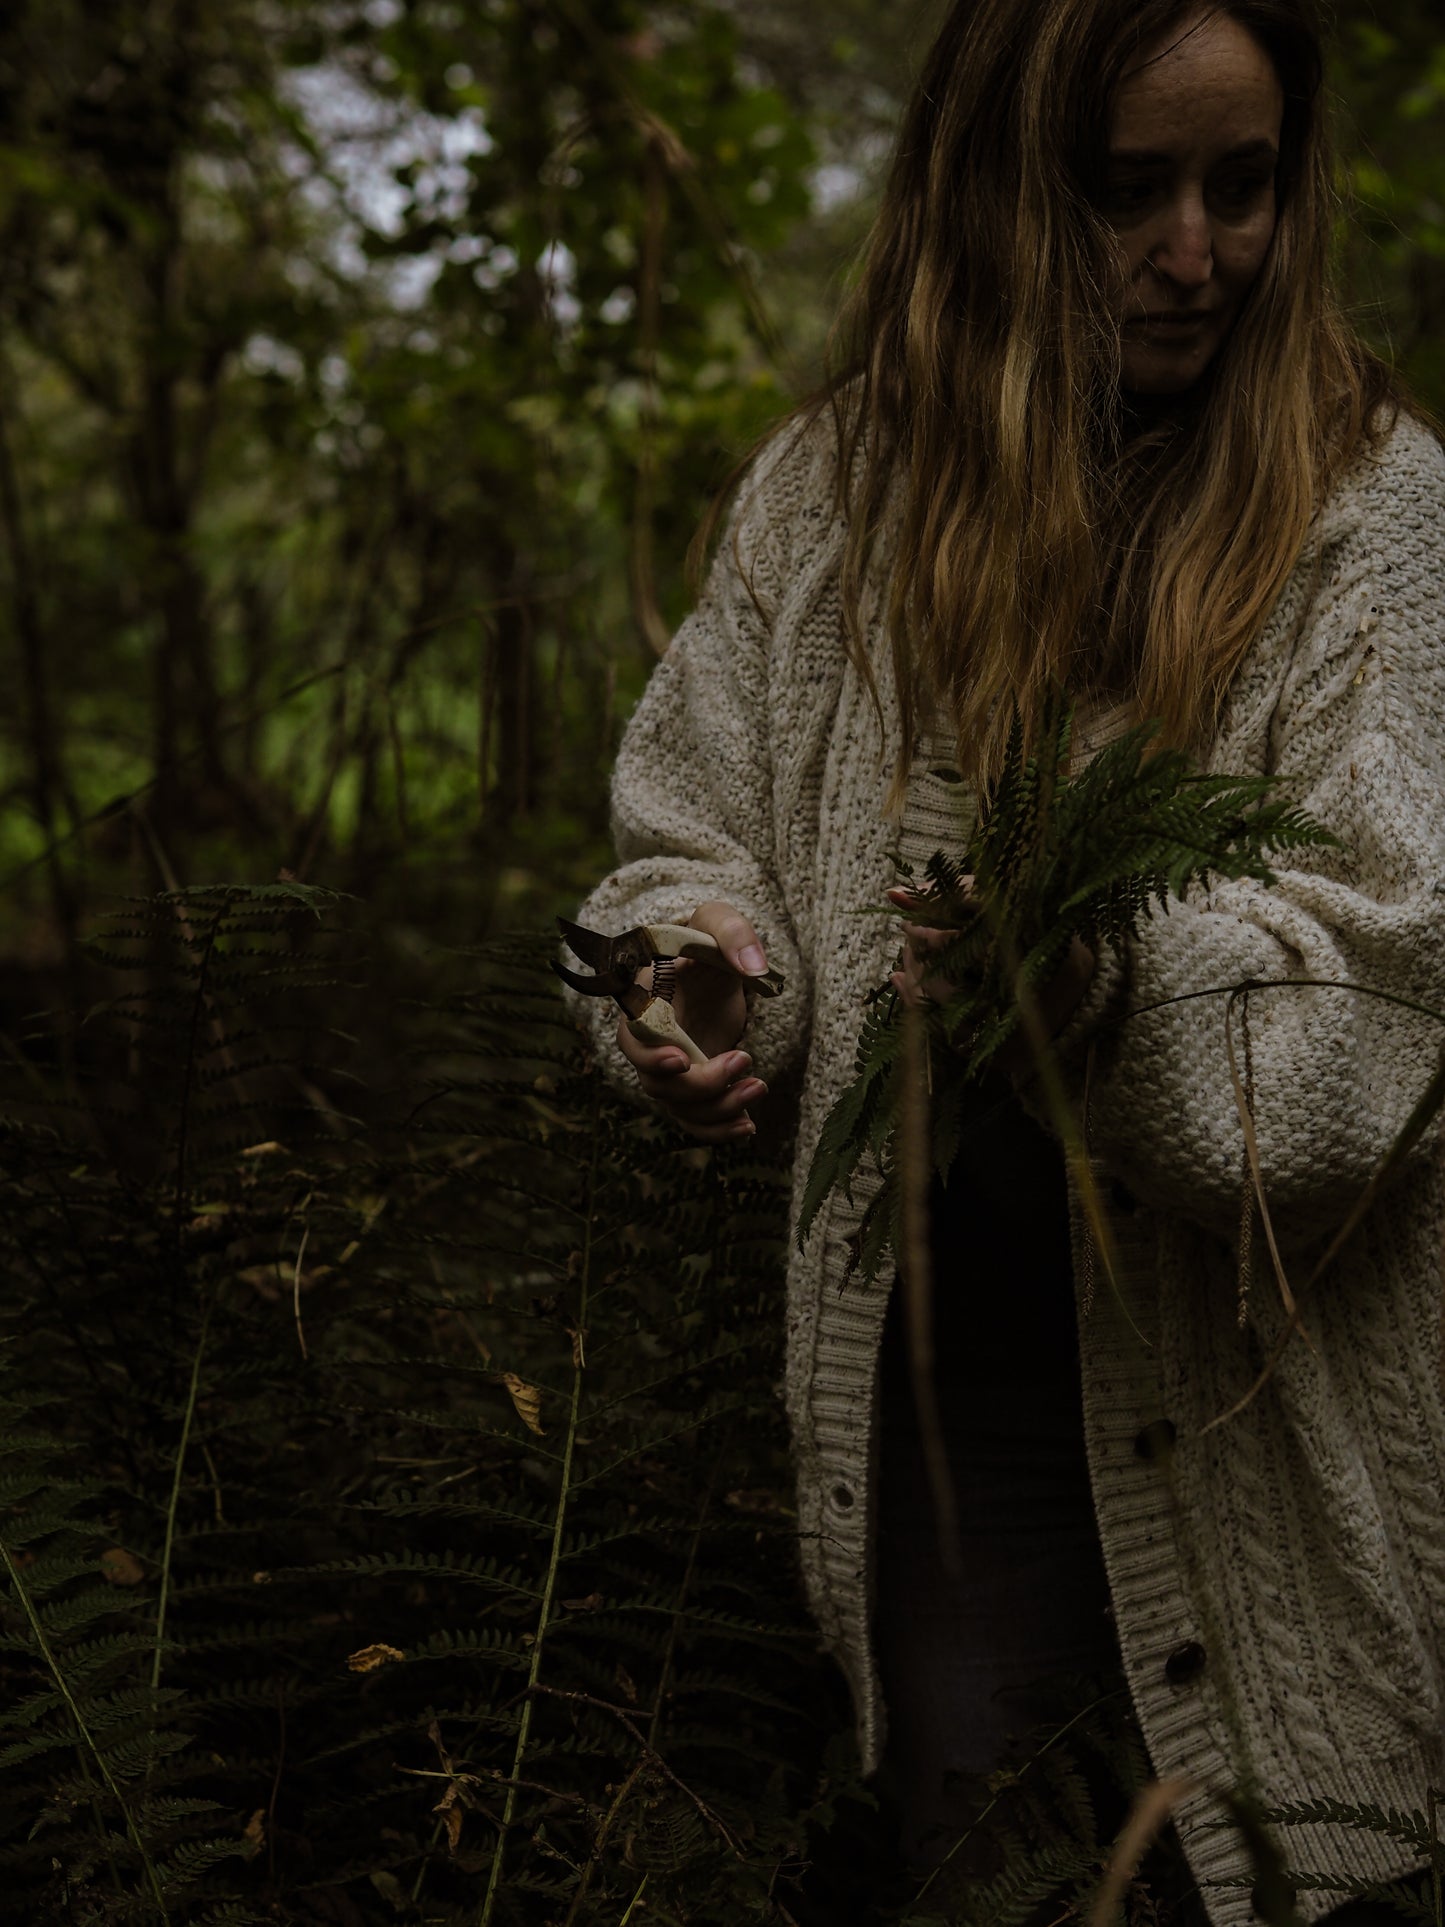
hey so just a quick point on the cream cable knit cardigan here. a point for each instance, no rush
(1279, 1582)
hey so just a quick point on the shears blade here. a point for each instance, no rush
(591, 946)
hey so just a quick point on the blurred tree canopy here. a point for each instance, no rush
(365, 368)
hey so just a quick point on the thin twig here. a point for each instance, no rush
(559, 1524)
(1061, 1115)
(296, 1292)
(669, 1651)
(624, 1716)
(276, 1780)
(599, 1839)
(182, 1445)
(1409, 1134)
(215, 1482)
(1145, 1822)
(979, 1818)
(915, 1169)
(1244, 1106)
(632, 1904)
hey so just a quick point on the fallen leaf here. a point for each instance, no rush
(368, 1658)
(254, 1832)
(759, 1499)
(589, 1604)
(626, 1682)
(120, 1567)
(389, 1887)
(528, 1401)
(452, 1820)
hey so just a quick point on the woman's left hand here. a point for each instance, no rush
(914, 983)
(1056, 1001)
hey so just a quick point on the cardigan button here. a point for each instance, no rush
(1156, 1441)
(843, 1497)
(1185, 1663)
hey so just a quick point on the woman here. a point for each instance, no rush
(1101, 425)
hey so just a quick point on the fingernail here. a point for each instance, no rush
(738, 1063)
(674, 1063)
(753, 961)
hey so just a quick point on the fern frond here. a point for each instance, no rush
(1052, 859)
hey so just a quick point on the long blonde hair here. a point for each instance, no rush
(1042, 538)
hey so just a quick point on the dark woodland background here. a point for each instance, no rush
(393, 1499)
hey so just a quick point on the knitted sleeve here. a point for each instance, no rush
(1358, 728)
(692, 789)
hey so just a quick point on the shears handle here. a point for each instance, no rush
(680, 940)
(657, 1024)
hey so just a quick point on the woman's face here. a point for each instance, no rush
(1189, 189)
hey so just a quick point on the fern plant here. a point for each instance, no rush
(1054, 858)
(394, 1496)
(397, 1532)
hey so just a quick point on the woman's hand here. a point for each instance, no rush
(1056, 1001)
(710, 1101)
(914, 983)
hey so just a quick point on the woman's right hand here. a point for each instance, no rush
(709, 1101)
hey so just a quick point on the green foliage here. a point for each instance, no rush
(364, 371)
(393, 1498)
(363, 375)
(1415, 1898)
(388, 1462)
(1054, 859)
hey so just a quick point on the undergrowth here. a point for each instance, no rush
(389, 1474)
(394, 1501)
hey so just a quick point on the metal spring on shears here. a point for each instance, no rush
(664, 978)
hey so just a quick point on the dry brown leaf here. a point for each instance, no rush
(758, 1499)
(452, 1821)
(589, 1604)
(1145, 1822)
(368, 1658)
(528, 1401)
(254, 1832)
(120, 1567)
(626, 1682)
(579, 1339)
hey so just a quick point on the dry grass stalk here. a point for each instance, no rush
(915, 1168)
(1145, 1823)
(1244, 1105)
(1409, 1134)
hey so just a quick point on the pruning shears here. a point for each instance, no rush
(617, 960)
